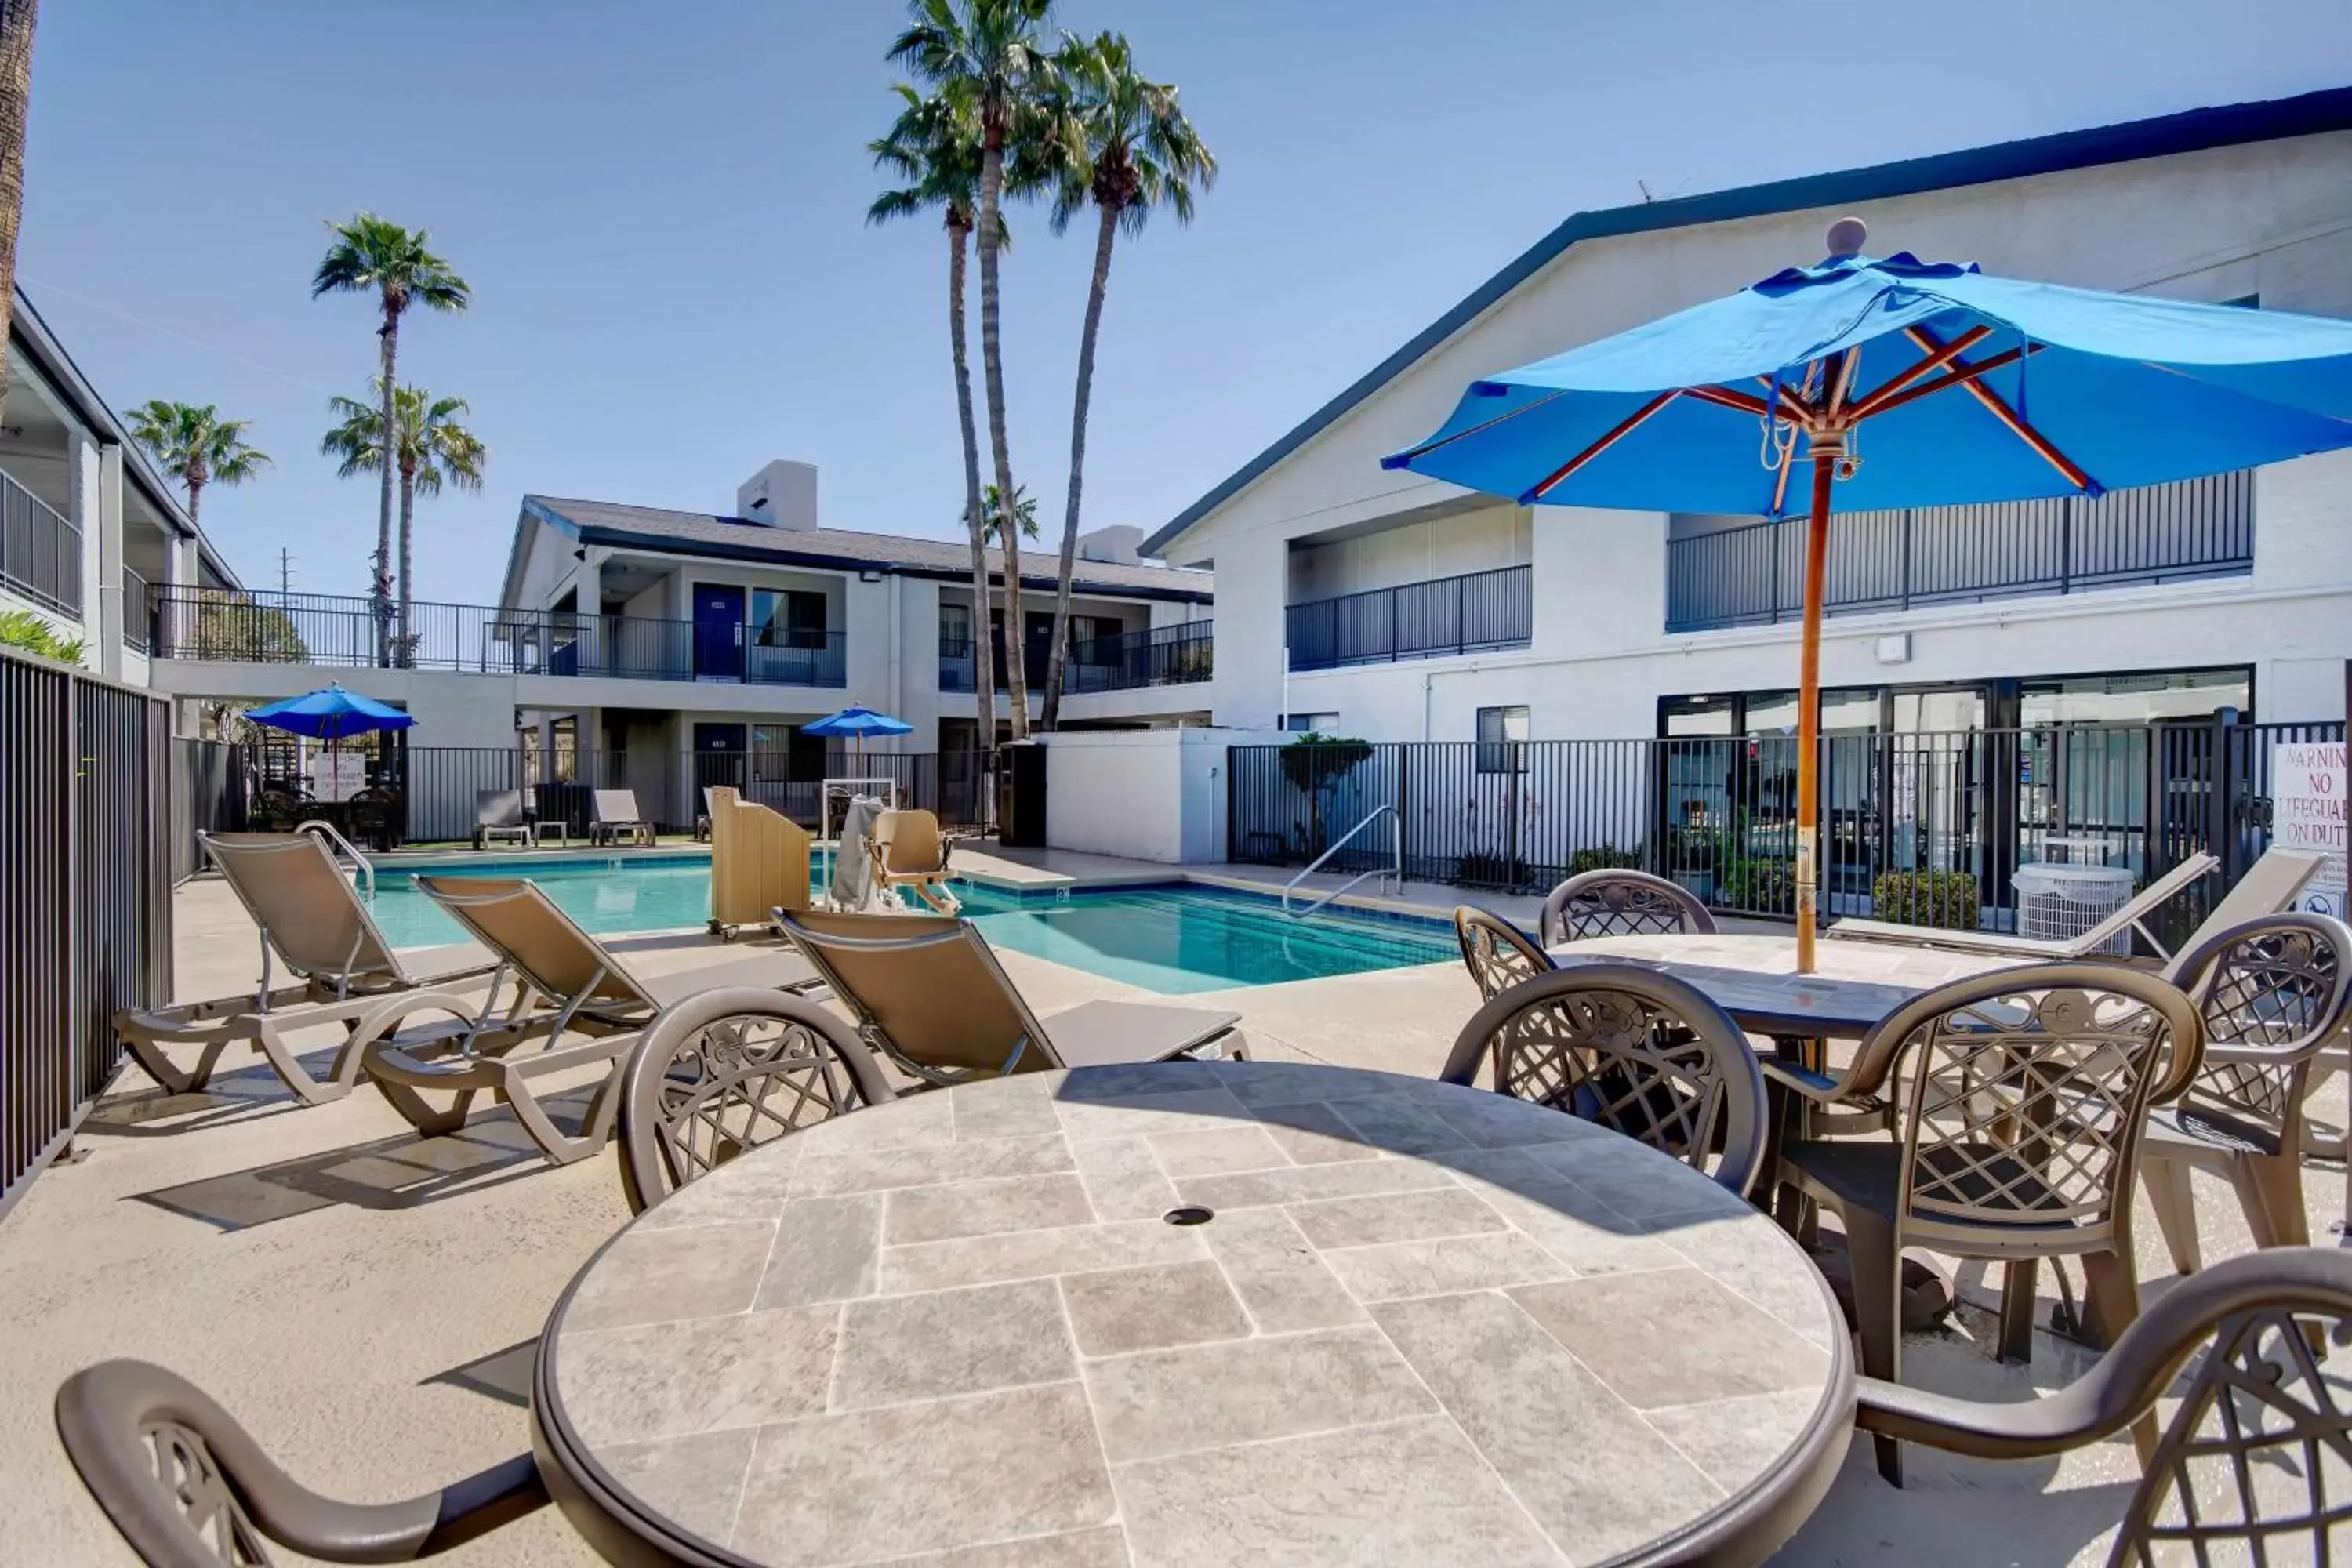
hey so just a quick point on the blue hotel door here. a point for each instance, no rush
(717, 631)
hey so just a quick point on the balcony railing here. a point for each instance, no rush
(138, 617)
(347, 633)
(955, 666)
(40, 550)
(1754, 575)
(1474, 614)
(1161, 656)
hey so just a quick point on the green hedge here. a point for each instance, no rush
(1946, 899)
(1608, 858)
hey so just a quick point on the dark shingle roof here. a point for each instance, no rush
(740, 539)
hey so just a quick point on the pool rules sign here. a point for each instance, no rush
(2307, 811)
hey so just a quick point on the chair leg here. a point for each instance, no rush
(2175, 1202)
(2276, 1181)
(2111, 1301)
(2019, 1278)
(1876, 1269)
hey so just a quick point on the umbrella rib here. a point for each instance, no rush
(1993, 404)
(1624, 427)
(1869, 403)
(1723, 396)
(1428, 447)
(1781, 480)
(1961, 375)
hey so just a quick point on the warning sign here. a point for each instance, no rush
(2307, 811)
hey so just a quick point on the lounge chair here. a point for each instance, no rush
(908, 852)
(498, 816)
(311, 921)
(759, 861)
(2132, 916)
(617, 813)
(928, 994)
(583, 990)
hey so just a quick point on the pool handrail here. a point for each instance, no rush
(1391, 875)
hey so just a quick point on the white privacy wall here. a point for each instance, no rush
(1146, 794)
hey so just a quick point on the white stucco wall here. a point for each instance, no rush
(1152, 794)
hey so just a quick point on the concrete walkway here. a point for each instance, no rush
(366, 1301)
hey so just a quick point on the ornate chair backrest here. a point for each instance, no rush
(1638, 1051)
(728, 1070)
(2025, 1092)
(1619, 903)
(1497, 954)
(2272, 991)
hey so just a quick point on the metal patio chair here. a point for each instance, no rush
(1619, 902)
(1497, 954)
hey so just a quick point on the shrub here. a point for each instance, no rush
(1314, 763)
(28, 633)
(1946, 899)
(1607, 858)
(1484, 869)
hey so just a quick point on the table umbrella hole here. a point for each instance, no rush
(1191, 1214)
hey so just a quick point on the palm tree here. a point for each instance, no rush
(988, 54)
(431, 449)
(195, 445)
(1127, 149)
(17, 20)
(1024, 511)
(934, 146)
(370, 252)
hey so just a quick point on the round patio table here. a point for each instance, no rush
(1196, 1313)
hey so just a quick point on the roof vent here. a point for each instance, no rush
(781, 495)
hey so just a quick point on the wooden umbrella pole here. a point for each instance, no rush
(1828, 450)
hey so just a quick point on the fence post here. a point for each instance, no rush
(1904, 544)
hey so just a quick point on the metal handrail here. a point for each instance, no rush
(336, 840)
(1393, 872)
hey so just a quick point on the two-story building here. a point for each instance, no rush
(1394, 607)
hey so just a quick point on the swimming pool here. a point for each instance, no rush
(1175, 939)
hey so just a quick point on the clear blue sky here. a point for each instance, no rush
(660, 209)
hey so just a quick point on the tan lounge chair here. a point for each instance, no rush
(908, 852)
(616, 813)
(2132, 916)
(928, 994)
(497, 815)
(759, 861)
(585, 990)
(311, 921)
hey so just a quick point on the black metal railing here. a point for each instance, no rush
(1717, 814)
(956, 666)
(1161, 656)
(1473, 614)
(336, 631)
(86, 900)
(1754, 574)
(40, 550)
(138, 618)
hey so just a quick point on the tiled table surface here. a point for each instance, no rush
(1425, 1325)
(1754, 978)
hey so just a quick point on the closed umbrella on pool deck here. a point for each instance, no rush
(1893, 383)
(330, 714)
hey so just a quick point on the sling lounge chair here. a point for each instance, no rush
(909, 853)
(2132, 916)
(498, 816)
(616, 813)
(928, 994)
(759, 860)
(312, 922)
(583, 990)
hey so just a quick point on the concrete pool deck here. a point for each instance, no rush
(365, 1300)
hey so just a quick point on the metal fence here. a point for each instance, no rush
(1715, 813)
(85, 895)
(338, 631)
(1472, 613)
(40, 550)
(138, 615)
(1162, 655)
(1754, 574)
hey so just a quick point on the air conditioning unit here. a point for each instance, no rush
(2057, 903)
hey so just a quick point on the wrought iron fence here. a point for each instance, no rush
(1717, 814)
(338, 631)
(956, 666)
(1161, 656)
(1754, 574)
(1473, 614)
(85, 898)
(40, 550)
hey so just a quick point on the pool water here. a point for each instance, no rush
(1171, 940)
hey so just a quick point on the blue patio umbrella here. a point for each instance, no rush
(858, 722)
(1894, 383)
(330, 714)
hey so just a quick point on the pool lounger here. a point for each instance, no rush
(583, 990)
(928, 992)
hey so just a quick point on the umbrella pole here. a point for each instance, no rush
(1828, 449)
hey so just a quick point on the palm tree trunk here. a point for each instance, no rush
(1079, 400)
(388, 335)
(195, 488)
(991, 185)
(407, 517)
(983, 656)
(17, 20)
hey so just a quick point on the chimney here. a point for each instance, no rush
(781, 495)
(1116, 545)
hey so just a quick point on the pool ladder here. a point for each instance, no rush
(336, 842)
(1391, 875)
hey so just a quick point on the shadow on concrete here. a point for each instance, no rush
(503, 1376)
(246, 1094)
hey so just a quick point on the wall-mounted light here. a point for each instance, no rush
(869, 575)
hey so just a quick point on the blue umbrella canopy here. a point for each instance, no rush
(330, 714)
(858, 720)
(1864, 384)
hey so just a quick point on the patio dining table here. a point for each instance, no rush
(1196, 1313)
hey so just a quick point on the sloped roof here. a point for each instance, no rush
(740, 539)
(2193, 131)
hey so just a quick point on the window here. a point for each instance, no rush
(1312, 723)
(955, 628)
(788, 617)
(1087, 630)
(2184, 694)
(1501, 739)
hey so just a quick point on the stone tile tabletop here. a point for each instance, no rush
(1755, 979)
(1197, 1313)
